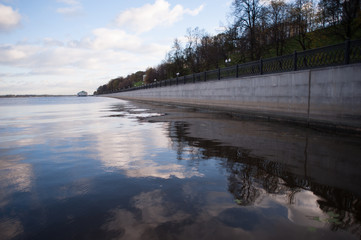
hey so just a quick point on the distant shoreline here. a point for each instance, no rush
(33, 95)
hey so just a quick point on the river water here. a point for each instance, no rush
(101, 168)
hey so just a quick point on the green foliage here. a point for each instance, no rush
(238, 201)
(121, 83)
(138, 84)
(312, 229)
(332, 218)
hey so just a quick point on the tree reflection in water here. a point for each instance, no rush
(251, 176)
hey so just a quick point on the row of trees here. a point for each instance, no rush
(257, 29)
(120, 83)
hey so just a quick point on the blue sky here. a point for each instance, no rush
(65, 46)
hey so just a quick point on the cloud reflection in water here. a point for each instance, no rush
(14, 177)
(154, 211)
(139, 149)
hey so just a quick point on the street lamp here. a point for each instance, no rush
(227, 61)
(177, 77)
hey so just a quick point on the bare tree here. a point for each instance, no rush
(330, 13)
(247, 15)
(191, 55)
(302, 21)
(278, 15)
(176, 58)
(351, 17)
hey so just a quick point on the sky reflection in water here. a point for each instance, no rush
(96, 168)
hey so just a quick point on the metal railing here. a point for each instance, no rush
(339, 54)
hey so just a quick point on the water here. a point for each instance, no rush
(99, 168)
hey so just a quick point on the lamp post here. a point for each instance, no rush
(227, 61)
(177, 77)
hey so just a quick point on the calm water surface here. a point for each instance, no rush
(98, 168)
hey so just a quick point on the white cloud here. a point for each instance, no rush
(9, 18)
(105, 47)
(11, 54)
(69, 2)
(194, 12)
(52, 42)
(16, 54)
(105, 54)
(106, 38)
(72, 7)
(149, 16)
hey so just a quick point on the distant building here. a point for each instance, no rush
(82, 94)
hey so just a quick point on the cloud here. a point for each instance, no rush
(69, 2)
(104, 47)
(149, 16)
(103, 55)
(9, 18)
(52, 42)
(49, 54)
(16, 54)
(72, 7)
(9, 54)
(106, 38)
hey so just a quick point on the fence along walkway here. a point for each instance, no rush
(339, 54)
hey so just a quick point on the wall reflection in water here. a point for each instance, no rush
(315, 176)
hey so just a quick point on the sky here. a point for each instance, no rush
(66, 46)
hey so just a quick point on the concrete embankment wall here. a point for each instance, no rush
(329, 96)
